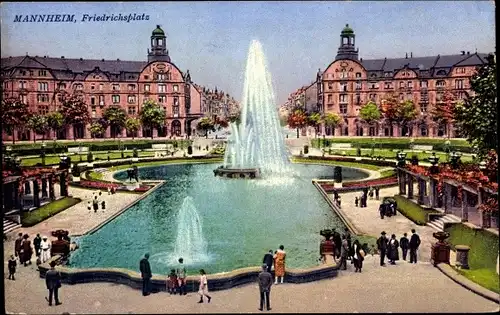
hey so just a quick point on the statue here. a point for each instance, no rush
(133, 173)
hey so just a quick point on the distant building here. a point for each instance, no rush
(350, 82)
(217, 103)
(38, 81)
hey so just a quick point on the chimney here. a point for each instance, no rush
(117, 59)
(468, 53)
(361, 60)
(463, 52)
(102, 59)
(81, 59)
(62, 57)
(411, 55)
(406, 57)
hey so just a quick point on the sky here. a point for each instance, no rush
(211, 39)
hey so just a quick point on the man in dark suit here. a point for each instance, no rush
(146, 275)
(382, 247)
(37, 241)
(265, 283)
(53, 282)
(414, 244)
(268, 260)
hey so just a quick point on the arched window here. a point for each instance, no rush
(176, 128)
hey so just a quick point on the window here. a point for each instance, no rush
(115, 99)
(161, 77)
(440, 84)
(373, 97)
(92, 100)
(388, 85)
(42, 73)
(22, 84)
(162, 99)
(358, 74)
(61, 86)
(461, 70)
(388, 74)
(373, 85)
(175, 111)
(101, 87)
(409, 96)
(344, 75)
(358, 85)
(94, 113)
(131, 87)
(176, 88)
(77, 86)
(176, 101)
(43, 86)
(146, 77)
(343, 109)
(22, 72)
(459, 84)
(43, 98)
(461, 95)
(162, 88)
(423, 84)
(343, 86)
(423, 108)
(401, 97)
(101, 100)
(330, 86)
(116, 87)
(23, 98)
(43, 110)
(131, 99)
(423, 131)
(92, 87)
(410, 84)
(401, 85)
(132, 110)
(439, 97)
(403, 74)
(358, 99)
(6, 85)
(343, 98)
(330, 99)
(147, 87)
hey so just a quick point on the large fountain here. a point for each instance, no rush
(255, 146)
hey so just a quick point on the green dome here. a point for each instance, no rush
(347, 30)
(158, 31)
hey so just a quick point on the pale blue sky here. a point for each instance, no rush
(211, 39)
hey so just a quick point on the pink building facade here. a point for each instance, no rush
(38, 82)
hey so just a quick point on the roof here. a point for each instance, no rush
(158, 31)
(423, 63)
(347, 30)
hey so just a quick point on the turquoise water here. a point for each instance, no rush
(242, 220)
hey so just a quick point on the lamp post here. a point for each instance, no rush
(401, 157)
(43, 153)
(455, 158)
(121, 147)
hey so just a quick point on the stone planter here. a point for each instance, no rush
(462, 260)
(440, 251)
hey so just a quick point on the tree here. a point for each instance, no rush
(14, 115)
(96, 129)
(116, 117)
(152, 115)
(235, 117)
(332, 120)
(370, 113)
(477, 116)
(206, 124)
(38, 124)
(132, 125)
(297, 119)
(314, 120)
(399, 112)
(443, 112)
(55, 121)
(74, 110)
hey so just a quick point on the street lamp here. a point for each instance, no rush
(401, 157)
(43, 153)
(455, 158)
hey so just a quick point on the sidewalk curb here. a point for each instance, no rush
(468, 284)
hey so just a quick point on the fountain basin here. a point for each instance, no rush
(243, 173)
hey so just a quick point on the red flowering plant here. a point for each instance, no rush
(418, 169)
(489, 206)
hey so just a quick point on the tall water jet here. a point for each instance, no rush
(257, 143)
(190, 243)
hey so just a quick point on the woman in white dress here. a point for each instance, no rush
(203, 291)
(45, 247)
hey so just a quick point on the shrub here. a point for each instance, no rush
(358, 151)
(413, 211)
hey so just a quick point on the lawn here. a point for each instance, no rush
(48, 210)
(54, 159)
(393, 140)
(391, 154)
(337, 163)
(482, 255)
(412, 211)
(388, 173)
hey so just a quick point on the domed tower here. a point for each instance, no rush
(159, 50)
(347, 49)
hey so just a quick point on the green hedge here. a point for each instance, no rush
(482, 255)
(36, 216)
(412, 211)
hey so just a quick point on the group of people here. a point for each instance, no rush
(94, 204)
(278, 261)
(343, 248)
(389, 247)
(176, 280)
(24, 251)
(388, 208)
(361, 200)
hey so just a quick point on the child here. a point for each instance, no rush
(356, 201)
(172, 282)
(12, 267)
(103, 205)
(89, 207)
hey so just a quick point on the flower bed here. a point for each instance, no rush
(352, 186)
(105, 185)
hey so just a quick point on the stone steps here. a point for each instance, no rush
(9, 226)
(438, 222)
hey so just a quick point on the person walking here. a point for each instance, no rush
(268, 260)
(36, 243)
(377, 193)
(12, 267)
(404, 243)
(27, 250)
(265, 283)
(358, 256)
(348, 237)
(393, 254)
(279, 264)
(17, 246)
(53, 283)
(203, 290)
(344, 249)
(337, 240)
(146, 275)
(45, 247)
(381, 209)
(181, 277)
(414, 244)
(382, 247)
